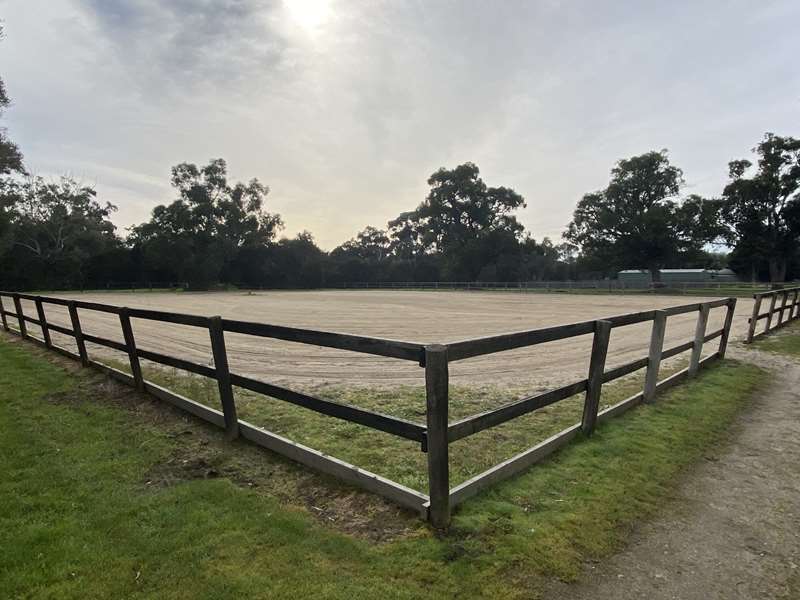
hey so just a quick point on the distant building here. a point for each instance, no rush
(668, 276)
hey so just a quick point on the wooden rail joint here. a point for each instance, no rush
(223, 377)
(594, 382)
(130, 345)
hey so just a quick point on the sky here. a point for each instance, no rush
(345, 107)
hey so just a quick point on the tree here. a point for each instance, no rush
(297, 263)
(462, 219)
(10, 156)
(638, 220)
(56, 230)
(405, 236)
(761, 213)
(199, 236)
(371, 244)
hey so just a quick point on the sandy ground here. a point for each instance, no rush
(733, 531)
(403, 315)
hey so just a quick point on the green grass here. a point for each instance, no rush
(398, 459)
(81, 519)
(783, 341)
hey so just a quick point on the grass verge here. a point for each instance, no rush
(82, 517)
(783, 341)
(398, 459)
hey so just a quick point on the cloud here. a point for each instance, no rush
(344, 107)
(182, 45)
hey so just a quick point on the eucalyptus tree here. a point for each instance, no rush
(761, 212)
(199, 235)
(56, 230)
(638, 220)
(463, 220)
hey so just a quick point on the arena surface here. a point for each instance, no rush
(418, 316)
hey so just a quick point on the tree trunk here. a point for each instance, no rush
(777, 269)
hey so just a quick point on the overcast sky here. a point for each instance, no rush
(344, 108)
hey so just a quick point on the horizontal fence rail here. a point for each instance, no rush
(784, 303)
(433, 437)
(560, 285)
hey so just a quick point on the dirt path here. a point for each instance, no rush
(733, 529)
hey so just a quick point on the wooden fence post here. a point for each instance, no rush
(793, 310)
(3, 314)
(751, 331)
(782, 308)
(773, 298)
(23, 330)
(597, 365)
(43, 322)
(76, 329)
(437, 390)
(223, 377)
(130, 342)
(654, 358)
(699, 334)
(726, 328)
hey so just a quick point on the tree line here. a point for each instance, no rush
(57, 234)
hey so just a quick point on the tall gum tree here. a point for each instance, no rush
(638, 220)
(463, 220)
(761, 213)
(198, 236)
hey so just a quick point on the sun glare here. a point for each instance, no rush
(308, 14)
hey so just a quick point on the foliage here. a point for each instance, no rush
(466, 222)
(219, 233)
(371, 244)
(10, 155)
(761, 213)
(638, 219)
(199, 235)
(57, 231)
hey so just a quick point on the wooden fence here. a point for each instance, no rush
(779, 304)
(437, 433)
(609, 285)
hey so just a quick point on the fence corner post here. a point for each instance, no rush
(436, 393)
(594, 385)
(23, 330)
(699, 335)
(654, 357)
(130, 342)
(226, 397)
(726, 328)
